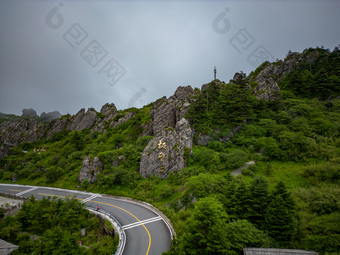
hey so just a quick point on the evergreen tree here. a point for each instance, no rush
(281, 190)
(279, 221)
(258, 201)
(77, 140)
(205, 232)
(239, 203)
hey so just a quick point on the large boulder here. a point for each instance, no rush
(50, 116)
(167, 151)
(90, 169)
(31, 113)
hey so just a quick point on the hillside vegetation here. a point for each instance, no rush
(290, 198)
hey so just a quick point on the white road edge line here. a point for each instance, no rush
(142, 223)
(26, 191)
(90, 198)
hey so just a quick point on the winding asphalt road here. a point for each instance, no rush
(147, 233)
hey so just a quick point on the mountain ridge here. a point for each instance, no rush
(179, 151)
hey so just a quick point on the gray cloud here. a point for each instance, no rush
(160, 44)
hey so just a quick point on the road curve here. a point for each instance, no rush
(147, 232)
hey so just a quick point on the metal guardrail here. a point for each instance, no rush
(117, 226)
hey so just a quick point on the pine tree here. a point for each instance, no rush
(239, 205)
(205, 232)
(281, 190)
(279, 221)
(258, 202)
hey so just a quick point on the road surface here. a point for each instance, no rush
(146, 232)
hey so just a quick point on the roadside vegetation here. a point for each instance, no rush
(53, 226)
(289, 199)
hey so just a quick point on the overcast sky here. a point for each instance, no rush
(68, 55)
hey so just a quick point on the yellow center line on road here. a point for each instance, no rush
(14, 190)
(147, 252)
(50, 195)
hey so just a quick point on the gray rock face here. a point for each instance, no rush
(83, 120)
(182, 93)
(90, 169)
(108, 109)
(167, 151)
(123, 120)
(167, 112)
(110, 112)
(272, 73)
(29, 113)
(267, 89)
(236, 77)
(56, 126)
(172, 134)
(13, 133)
(163, 114)
(50, 116)
(203, 139)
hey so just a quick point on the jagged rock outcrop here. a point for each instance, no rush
(50, 116)
(266, 89)
(12, 133)
(167, 151)
(83, 120)
(171, 129)
(167, 112)
(122, 120)
(90, 169)
(237, 76)
(267, 80)
(110, 112)
(56, 126)
(182, 99)
(163, 115)
(31, 113)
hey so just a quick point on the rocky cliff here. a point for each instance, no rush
(14, 132)
(172, 133)
(90, 169)
(167, 151)
(172, 141)
(267, 79)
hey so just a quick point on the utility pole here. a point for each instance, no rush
(214, 72)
